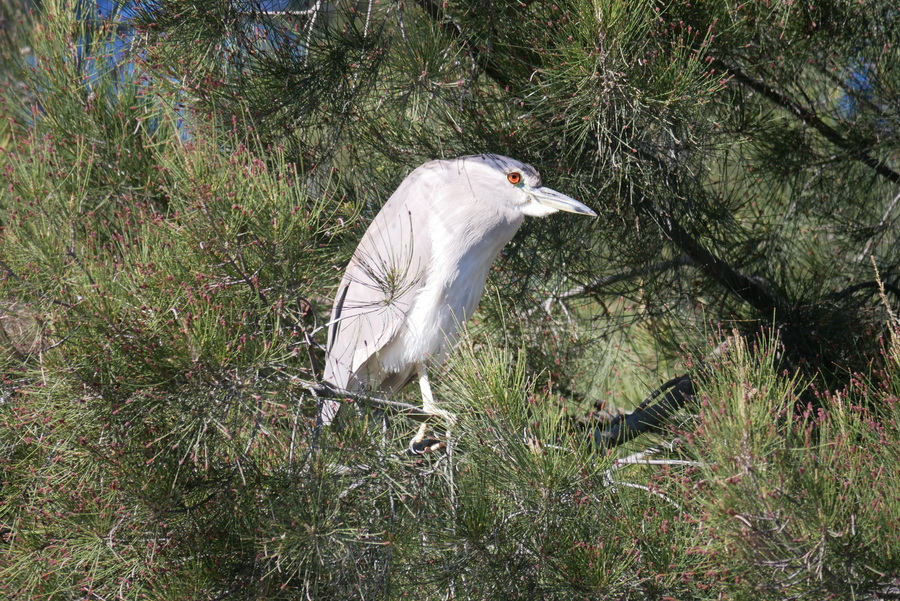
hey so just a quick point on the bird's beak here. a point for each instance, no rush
(558, 202)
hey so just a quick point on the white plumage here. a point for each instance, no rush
(420, 269)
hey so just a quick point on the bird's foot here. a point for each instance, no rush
(421, 444)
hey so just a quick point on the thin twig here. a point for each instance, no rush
(881, 227)
(601, 282)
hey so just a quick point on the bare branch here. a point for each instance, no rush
(325, 391)
(647, 417)
(607, 280)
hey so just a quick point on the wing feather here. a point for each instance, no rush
(378, 289)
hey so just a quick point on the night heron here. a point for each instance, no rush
(420, 270)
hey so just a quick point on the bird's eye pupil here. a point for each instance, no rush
(515, 177)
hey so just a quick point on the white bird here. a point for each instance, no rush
(420, 269)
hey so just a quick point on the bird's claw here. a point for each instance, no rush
(421, 444)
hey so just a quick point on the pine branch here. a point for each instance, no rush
(9, 273)
(753, 290)
(596, 286)
(810, 118)
(323, 391)
(647, 416)
(437, 14)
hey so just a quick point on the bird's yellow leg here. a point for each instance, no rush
(420, 443)
(428, 403)
(427, 396)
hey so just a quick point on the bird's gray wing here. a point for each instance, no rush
(379, 286)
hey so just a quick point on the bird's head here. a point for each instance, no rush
(518, 186)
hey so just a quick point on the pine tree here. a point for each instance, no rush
(183, 181)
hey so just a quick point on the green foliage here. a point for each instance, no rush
(536, 514)
(798, 500)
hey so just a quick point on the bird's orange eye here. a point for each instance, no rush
(514, 177)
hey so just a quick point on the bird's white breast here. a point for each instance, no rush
(458, 268)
